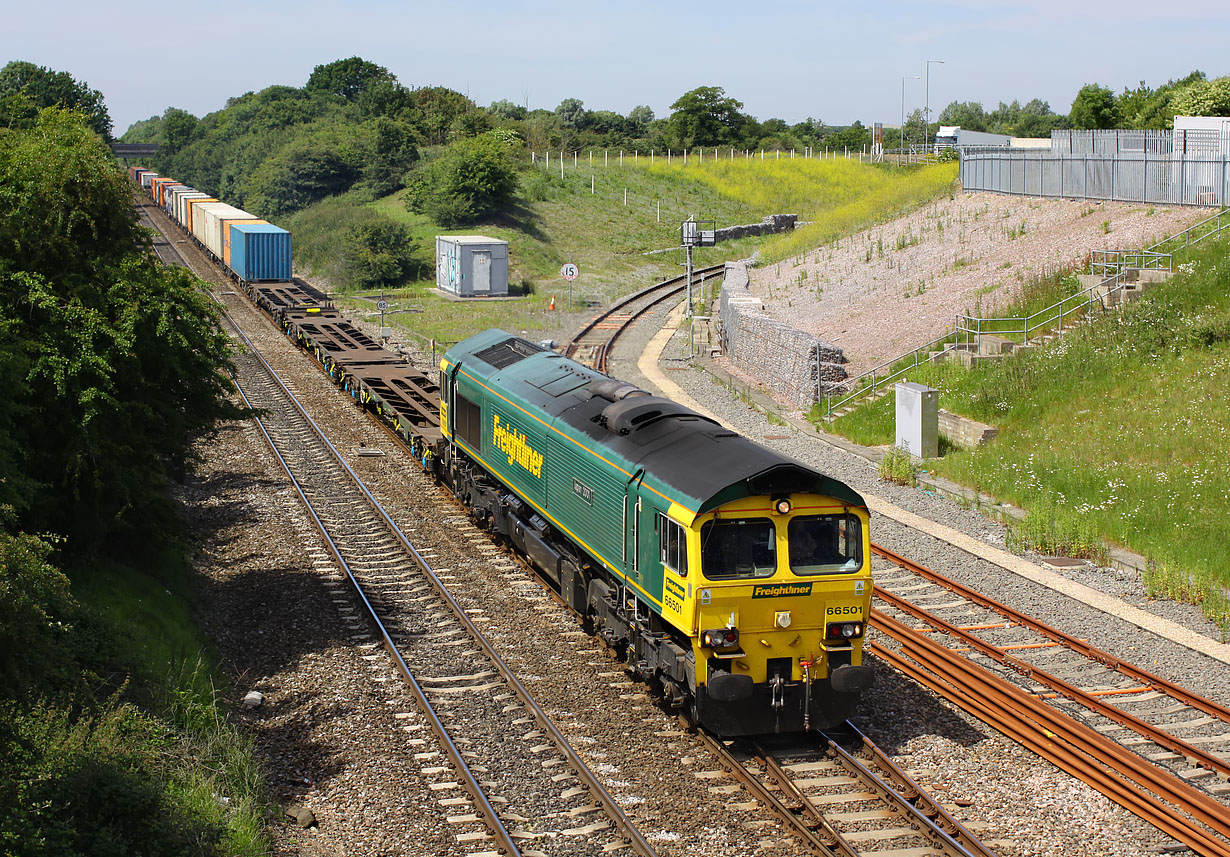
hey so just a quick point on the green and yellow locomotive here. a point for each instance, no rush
(734, 577)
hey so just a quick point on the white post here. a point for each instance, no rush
(591, 184)
(702, 155)
(685, 157)
(652, 155)
(533, 157)
(778, 153)
(762, 154)
(732, 153)
(659, 211)
(561, 165)
(591, 157)
(621, 157)
(548, 159)
(574, 159)
(606, 157)
(792, 154)
(625, 197)
(636, 157)
(668, 157)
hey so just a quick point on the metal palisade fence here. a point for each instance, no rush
(1160, 167)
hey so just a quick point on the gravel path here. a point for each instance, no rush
(891, 288)
(1020, 803)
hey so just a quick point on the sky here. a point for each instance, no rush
(836, 62)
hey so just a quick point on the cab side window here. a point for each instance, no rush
(672, 545)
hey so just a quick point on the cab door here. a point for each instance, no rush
(633, 553)
(677, 575)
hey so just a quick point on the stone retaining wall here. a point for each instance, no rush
(965, 432)
(771, 224)
(790, 362)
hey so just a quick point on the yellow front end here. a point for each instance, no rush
(789, 579)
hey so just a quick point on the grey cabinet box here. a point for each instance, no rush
(918, 419)
(471, 265)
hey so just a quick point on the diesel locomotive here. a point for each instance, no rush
(734, 578)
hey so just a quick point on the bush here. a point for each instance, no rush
(380, 252)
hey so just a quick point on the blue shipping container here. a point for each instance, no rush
(260, 251)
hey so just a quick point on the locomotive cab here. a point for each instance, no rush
(777, 610)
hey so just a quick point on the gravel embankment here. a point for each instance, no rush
(891, 288)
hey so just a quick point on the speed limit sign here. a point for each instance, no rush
(382, 305)
(569, 272)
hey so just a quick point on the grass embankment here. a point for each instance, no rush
(113, 738)
(1115, 433)
(559, 220)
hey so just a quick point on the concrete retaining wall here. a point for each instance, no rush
(790, 362)
(771, 224)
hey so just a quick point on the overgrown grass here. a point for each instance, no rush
(1116, 433)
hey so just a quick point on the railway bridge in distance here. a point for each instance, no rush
(134, 150)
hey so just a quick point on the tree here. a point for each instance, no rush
(706, 116)
(439, 108)
(44, 87)
(178, 129)
(301, 173)
(119, 357)
(965, 114)
(505, 109)
(640, 117)
(1094, 107)
(572, 114)
(347, 79)
(472, 178)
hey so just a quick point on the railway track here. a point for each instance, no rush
(507, 777)
(593, 342)
(1133, 736)
(845, 796)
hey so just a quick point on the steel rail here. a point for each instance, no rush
(1195, 755)
(470, 781)
(836, 848)
(1082, 647)
(1116, 772)
(905, 786)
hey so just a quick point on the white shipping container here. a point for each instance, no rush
(181, 205)
(207, 220)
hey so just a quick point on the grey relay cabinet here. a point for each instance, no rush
(471, 265)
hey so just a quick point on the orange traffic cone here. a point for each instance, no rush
(552, 302)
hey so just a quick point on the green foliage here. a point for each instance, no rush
(118, 356)
(470, 179)
(25, 88)
(347, 79)
(1094, 107)
(308, 169)
(35, 616)
(438, 108)
(1203, 98)
(898, 466)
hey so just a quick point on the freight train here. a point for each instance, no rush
(734, 579)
